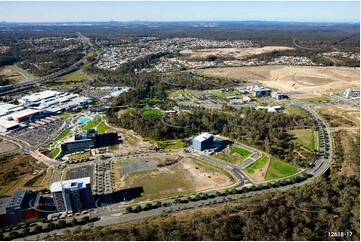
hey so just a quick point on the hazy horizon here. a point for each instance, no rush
(55, 12)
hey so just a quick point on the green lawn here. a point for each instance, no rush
(102, 128)
(54, 153)
(235, 156)
(240, 151)
(305, 137)
(278, 169)
(261, 162)
(152, 112)
(79, 156)
(62, 135)
(91, 124)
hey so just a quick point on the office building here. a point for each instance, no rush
(89, 140)
(260, 91)
(352, 94)
(203, 141)
(278, 95)
(77, 146)
(72, 195)
(17, 208)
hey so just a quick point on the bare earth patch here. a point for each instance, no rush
(205, 179)
(185, 177)
(6, 146)
(259, 175)
(303, 81)
(237, 53)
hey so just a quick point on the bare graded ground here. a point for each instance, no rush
(205, 176)
(130, 140)
(345, 127)
(299, 81)
(184, 177)
(9, 72)
(237, 53)
(7, 146)
(259, 175)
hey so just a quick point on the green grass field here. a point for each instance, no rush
(317, 99)
(74, 76)
(224, 94)
(168, 144)
(79, 156)
(176, 92)
(261, 162)
(102, 128)
(62, 135)
(54, 153)
(152, 112)
(294, 110)
(279, 169)
(91, 124)
(235, 156)
(305, 137)
(64, 115)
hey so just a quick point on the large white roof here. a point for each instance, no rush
(8, 123)
(74, 183)
(203, 136)
(25, 112)
(35, 97)
(6, 108)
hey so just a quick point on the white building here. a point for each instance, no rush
(352, 94)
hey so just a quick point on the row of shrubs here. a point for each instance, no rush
(78, 160)
(40, 229)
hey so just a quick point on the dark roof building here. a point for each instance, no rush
(91, 140)
(17, 208)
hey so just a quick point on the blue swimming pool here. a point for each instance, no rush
(83, 120)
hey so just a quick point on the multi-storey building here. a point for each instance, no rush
(72, 195)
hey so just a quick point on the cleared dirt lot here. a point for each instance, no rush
(7, 146)
(184, 177)
(237, 53)
(299, 81)
(10, 72)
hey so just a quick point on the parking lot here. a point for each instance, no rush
(37, 133)
(103, 176)
(80, 172)
(138, 165)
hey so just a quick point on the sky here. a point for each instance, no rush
(323, 11)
